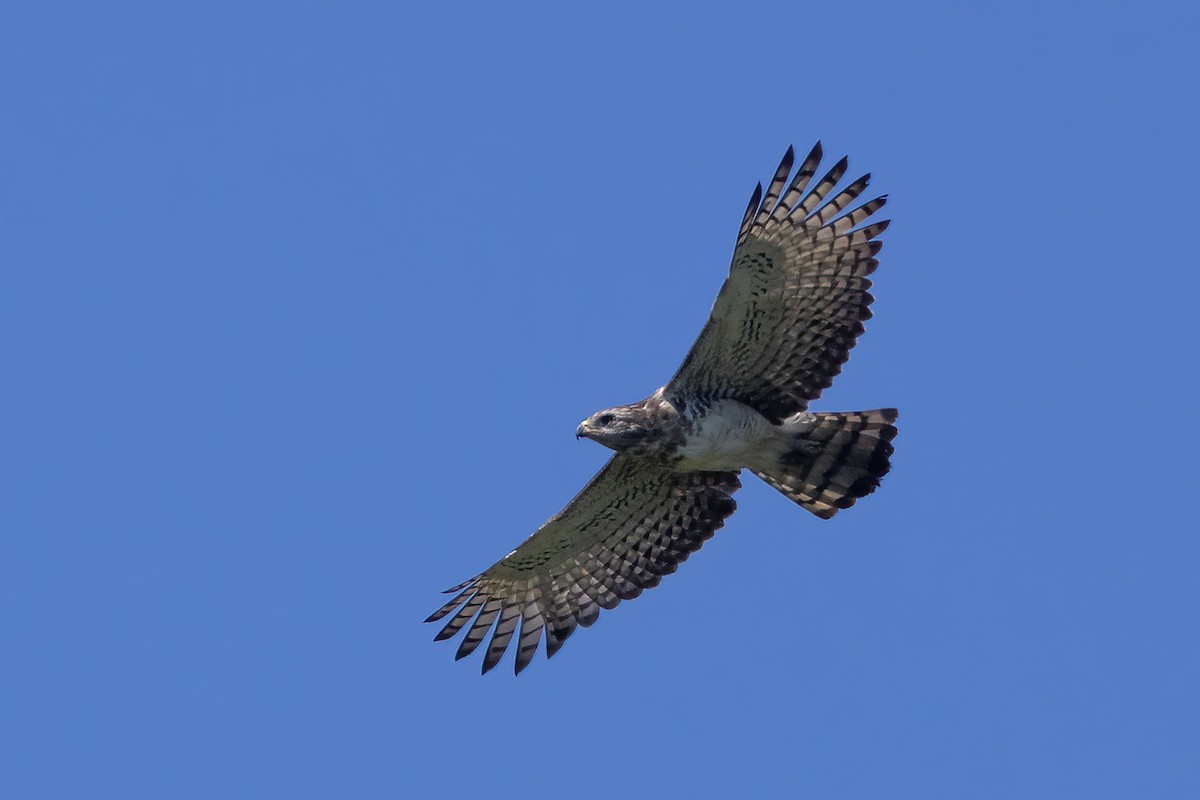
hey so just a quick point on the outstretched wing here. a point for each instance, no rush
(631, 525)
(796, 296)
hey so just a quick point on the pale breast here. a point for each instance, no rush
(726, 436)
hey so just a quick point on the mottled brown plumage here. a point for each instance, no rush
(796, 297)
(781, 328)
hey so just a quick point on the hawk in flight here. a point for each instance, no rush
(781, 328)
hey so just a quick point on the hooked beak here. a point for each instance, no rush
(581, 431)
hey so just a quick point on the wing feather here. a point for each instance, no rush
(531, 632)
(460, 619)
(455, 603)
(478, 630)
(632, 524)
(504, 633)
(797, 294)
(814, 198)
(777, 184)
(799, 183)
(755, 199)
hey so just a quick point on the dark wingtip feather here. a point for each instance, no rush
(524, 659)
(450, 606)
(751, 211)
(789, 157)
(555, 640)
(461, 586)
(491, 658)
(446, 633)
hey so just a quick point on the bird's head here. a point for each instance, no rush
(619, 428)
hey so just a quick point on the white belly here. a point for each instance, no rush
(727, 437)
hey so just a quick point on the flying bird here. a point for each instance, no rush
(781, 328)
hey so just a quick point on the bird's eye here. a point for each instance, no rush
(605, 420)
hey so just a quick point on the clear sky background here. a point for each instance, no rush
(301, 304)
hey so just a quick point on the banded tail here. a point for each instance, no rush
(834, 459)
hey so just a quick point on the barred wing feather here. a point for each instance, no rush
(796, 297)
(632, 524)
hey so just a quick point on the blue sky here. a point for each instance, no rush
(301, 303)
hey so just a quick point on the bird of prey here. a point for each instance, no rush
(781, 328)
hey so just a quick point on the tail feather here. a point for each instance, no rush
(833, 459)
